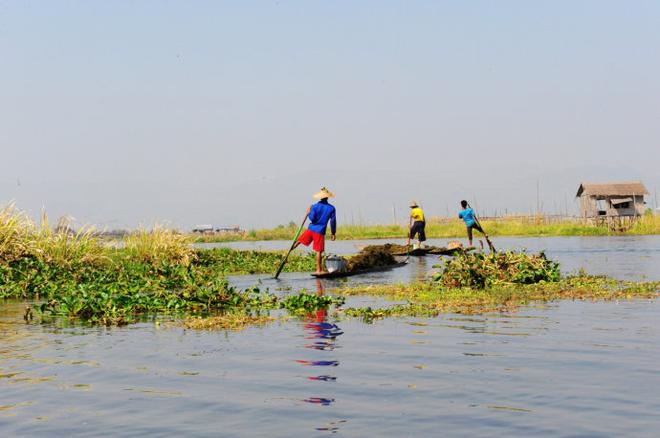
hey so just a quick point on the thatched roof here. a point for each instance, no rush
(627, 188)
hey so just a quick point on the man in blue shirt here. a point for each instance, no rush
(468, 216)
(319, 215)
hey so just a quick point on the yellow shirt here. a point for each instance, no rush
(417, 214)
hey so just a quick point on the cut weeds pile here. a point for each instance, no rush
(373, 256)
(481, 270)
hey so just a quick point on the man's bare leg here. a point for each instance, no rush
(319, 256)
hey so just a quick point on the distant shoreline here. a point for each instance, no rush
(444, 228)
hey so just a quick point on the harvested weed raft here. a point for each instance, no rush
(478, 270)
(372, 258)
(403, 250)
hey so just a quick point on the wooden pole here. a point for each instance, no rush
(293, 244)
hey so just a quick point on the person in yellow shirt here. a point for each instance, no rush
(417, 224)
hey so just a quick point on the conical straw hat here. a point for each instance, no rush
(323, 193)
(413, 204)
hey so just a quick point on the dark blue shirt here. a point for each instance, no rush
(320, 214)
(468, 216)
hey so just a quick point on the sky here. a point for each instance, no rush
(125, 113)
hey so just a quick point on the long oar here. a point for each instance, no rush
(476, 219)
(293, 244)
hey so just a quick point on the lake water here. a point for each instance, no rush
(559, 369)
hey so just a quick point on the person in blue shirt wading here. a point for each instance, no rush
(467, 214)
(319, 215)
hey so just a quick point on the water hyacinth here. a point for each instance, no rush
(481, 270)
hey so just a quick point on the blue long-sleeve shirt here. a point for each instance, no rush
(320, 214)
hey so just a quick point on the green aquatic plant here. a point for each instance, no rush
(234, 321)
(433, 298)
(483, 270)
(304, 302)
(253, 262)
(123, 302)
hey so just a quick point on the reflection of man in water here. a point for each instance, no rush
(320, 313)
(324, 334)
(320, 328)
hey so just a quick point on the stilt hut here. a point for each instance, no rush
(615, 203)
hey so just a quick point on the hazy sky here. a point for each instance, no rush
(126, 112)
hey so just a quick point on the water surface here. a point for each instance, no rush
(564, 369)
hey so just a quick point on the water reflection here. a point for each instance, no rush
(320, 401)
(319, 363)
(323, 335)
(323, 378)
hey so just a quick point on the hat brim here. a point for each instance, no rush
(323, 195)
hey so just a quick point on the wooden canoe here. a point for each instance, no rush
(338, 274)
(417, 252)
(447, 251)
(433, 250)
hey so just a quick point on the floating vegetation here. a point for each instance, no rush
(121, 291)
(431, 298)
(299, 303)
(74, 275)
(304, 302)
(481, 270)
(229, 261)
(229, 321)
(123, 302)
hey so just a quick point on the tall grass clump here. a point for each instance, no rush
(61, 246)
(649, 223)
(21, 237)
(159, 245)
(16, 230)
